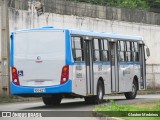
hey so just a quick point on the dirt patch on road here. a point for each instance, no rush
(149, 104)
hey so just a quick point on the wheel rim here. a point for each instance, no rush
(100, 93)
(133, 89)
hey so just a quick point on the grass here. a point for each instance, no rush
(122, 111)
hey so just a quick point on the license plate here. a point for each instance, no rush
(39, 90)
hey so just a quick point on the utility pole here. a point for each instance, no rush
(5, 49)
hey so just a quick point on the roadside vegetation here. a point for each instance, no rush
(138, 4)
(117, 110)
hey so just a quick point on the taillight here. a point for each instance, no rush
(15, 78)
(64, 74)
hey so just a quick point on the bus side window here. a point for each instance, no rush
(128, 51)
(77, 49)
(133, 51)
(96, 49)
(136, 52)
(105, 52)
(121, 51)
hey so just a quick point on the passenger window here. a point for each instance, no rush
(105, 51)
(121, 51)
(128, 46)
(105, 44)
(136, 52)
(122, 46)
(96, 43)
(128, 56)
(128, 51)
(78, 55)
(77, 49)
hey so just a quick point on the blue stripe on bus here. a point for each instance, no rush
(102, 63)
(79, 63)
(129, 63)
(107, 63)
(12, 51)
(64, 88)
(69, 57)
(95, 63)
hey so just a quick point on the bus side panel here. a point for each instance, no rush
(78, 78)
(137, 72)
(125, 77)
(107, 77)
(127, 71)
(102, 70)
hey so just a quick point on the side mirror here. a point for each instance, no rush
(147, 52)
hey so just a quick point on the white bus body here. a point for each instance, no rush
(56, 63)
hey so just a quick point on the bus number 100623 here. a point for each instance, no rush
(39, 90)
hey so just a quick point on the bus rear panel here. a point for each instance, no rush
(37, 62)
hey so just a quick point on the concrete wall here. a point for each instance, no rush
(71, 7)
(153, 75)
(22, 19)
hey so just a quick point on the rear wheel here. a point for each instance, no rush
(53, 100)
(47, 100)
(97, 98)
(100, 92)
(132, 95)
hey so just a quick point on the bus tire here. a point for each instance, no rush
(54, 100)
(89, 100)
(97, 98)
(100, 92)
(47, 100)
(132, 95)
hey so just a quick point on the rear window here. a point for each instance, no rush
(49, 44)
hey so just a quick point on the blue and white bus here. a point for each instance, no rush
(59, 63)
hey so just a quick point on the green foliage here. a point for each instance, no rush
(114, 110)
(138, 4)
(116, 107)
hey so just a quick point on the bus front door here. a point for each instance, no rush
(114, 66)
(89, 67)
(142, 67)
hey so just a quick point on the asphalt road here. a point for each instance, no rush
(73, 105)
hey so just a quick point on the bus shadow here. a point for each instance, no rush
(80, 105)
(62, 106)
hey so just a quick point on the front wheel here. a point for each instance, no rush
(132, 95)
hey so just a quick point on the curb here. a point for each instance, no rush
(147, 92)
(4, 100)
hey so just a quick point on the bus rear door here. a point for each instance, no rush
(114, 66)
(89, 66)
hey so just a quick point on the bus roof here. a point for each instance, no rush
(89, 33)
(106, 35)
